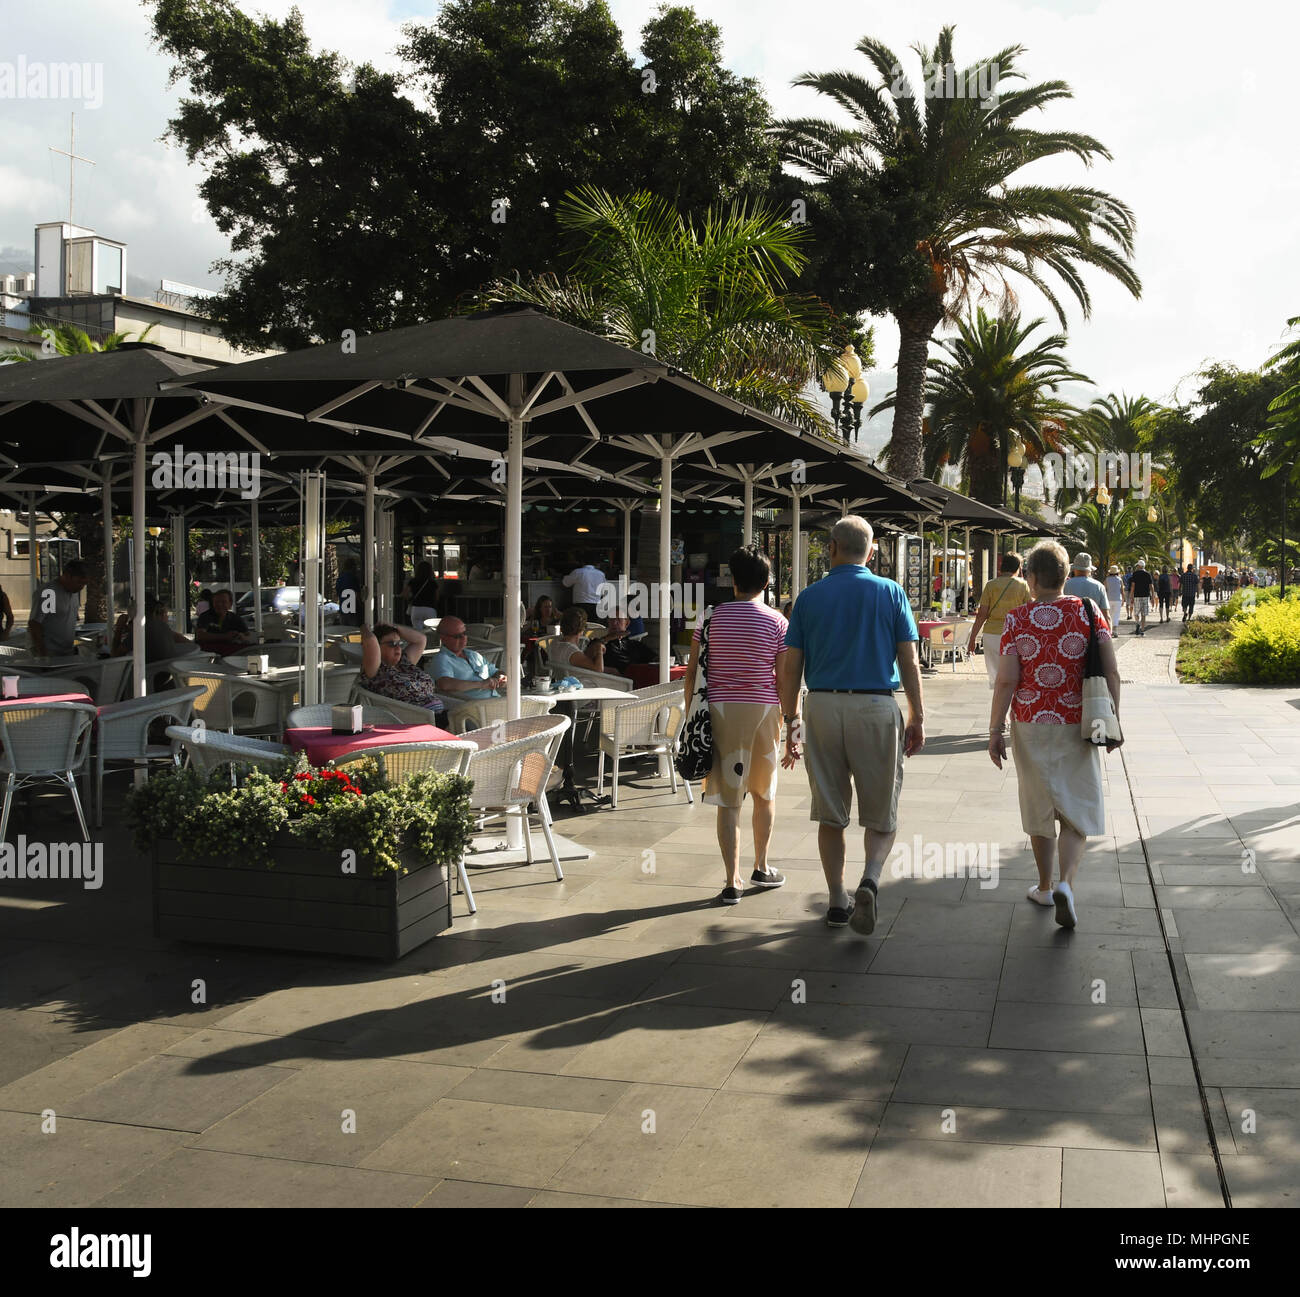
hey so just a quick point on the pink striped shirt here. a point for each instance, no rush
(744, 640)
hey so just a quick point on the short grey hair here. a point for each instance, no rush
(1048, 564)
(854, 537)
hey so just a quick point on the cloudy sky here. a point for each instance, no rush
(1201, 127)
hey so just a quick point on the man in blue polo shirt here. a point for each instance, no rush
(459, 670)
(852, 635)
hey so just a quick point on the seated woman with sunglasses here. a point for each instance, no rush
(390, 665)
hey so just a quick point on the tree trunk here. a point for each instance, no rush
(914, 329)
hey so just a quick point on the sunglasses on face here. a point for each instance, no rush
(391, 643)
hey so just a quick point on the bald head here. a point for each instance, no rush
(853, 539)
(451, 635)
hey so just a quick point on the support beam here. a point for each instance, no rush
(255, 519)
(665, 564)
(33, 554)
(180, 573)
(140, 533)
(109, 610)
(513, 570)
(369, 563)
(796, 546)
(747, 522)
(313, 553)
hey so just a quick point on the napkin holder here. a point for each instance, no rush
(258, 664)
(345, 719)
(10, 686)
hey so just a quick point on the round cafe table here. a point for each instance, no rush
(322, 745)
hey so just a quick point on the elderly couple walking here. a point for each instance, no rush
(853, 639)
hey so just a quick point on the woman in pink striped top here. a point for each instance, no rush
(745, 639)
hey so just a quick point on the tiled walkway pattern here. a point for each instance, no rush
(620, 1040)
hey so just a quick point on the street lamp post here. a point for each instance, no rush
(155, 532)
(1016, 467)
(845, 376)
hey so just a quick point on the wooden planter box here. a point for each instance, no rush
(304, 903)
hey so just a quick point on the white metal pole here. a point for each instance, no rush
(33, 556)
(796, 548)
(627, 544)
(368, 563)
(139, 531)
(108, 561)
(230, 560)
(313, 553)
(665, 564)
(747, 525)
(944, 585)
(255, 511)
(514, 546)
(180, 573)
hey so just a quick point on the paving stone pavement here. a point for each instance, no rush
(653, 1048)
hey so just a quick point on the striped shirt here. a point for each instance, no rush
(744, 640)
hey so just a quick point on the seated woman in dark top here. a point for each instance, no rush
(390, 665)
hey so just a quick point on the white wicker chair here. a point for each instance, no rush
(647, 726)
(465, 714)
(209, 748)
(43, 742)
(479, 629)
(107, 681)
(33, 685)
(15, 651)
(339, 681)
(123, 733)
(399, 761)
(222, 704)
(510, 769)
(410, 713)
(323, 714)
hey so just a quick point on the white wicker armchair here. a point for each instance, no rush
(510, 769)
(209, 748)
(643, 727)
(465, 714)
(123, 733)
(44, 742)
(410, 713)
(323, 714)
(237, 703)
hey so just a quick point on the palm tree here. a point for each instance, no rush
(951, 222)
(1114, 425)
(1122, 533)
(994, 388)
(707, 297)
(69, 340)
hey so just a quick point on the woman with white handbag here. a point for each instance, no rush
(732, 733)
(1059, 677)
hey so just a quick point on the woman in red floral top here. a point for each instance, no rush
(1040, 677)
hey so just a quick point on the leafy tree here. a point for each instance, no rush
(350, 204)
(1120, 534)
(934, 215)
(1218, 463)
(706, 296)
(994, 387)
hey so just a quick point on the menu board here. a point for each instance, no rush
(915, 576)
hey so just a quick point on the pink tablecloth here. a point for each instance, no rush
(321, 745)
(46, 698)
(644, 674)
(924, 627)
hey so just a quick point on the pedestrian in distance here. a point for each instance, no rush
(1142, 587)
(1044, 649)
(853, 637)
(998, 598)
(1165, 591)
(746, 641)
(1083, 585)
(1188, 590)
(1115, 590)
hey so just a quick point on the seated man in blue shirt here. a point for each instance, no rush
(459, 671)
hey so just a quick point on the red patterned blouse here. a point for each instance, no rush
(1051, 641)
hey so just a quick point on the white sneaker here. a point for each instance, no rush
(1064, 900)
(1040, 897)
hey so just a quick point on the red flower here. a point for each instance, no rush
(284, 788)
(302, 775)
(307, 799)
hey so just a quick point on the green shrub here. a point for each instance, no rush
(322, 807)
(1251, 597)
(1266, 643)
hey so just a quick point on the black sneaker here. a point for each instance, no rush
(838, 917)
(864, 910)
(770, 879)
(731, 896)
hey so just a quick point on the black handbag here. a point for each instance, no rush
(694, 757)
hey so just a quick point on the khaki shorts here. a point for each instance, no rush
(854, 740)
(746, 752)
(991, 640)
(1059, 778)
